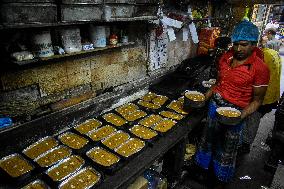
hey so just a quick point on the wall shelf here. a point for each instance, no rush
(139, 18)
(39, 25)
(16, 65)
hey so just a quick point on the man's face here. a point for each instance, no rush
(242, 49)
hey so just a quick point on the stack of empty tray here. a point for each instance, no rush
(28, 11)
(117, 9)
(81, 10)
(146, 7)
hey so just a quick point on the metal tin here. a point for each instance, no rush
(149, 96)
(143, 137)
(42, 44)
(112, 118)
(22, 175)
(146, 10)
(148, 105)
(62, 162)
(133, 116)
(155, 127)
(126, 108)
(60, 137)
(89, 134)
(100, 148)
(82, 12)
(71, 39)
(93, 124)
(171, 115)
(37, 182)
(228, 120)
(98, 35)
(104, 141)
(25, 151)
(192, 103)
(128, 144)
(113, 11)
(28, 13)
(151, 120)
(64, 184)
(45, 155)
(163, 100)
(177, 106)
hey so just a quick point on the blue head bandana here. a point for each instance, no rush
(245, 31)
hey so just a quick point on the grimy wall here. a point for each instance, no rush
(48, 88)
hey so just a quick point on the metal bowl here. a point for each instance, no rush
(228, 120)
(193, 103)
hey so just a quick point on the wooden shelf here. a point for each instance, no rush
(15, 65)
(139, 18)
(39, 25)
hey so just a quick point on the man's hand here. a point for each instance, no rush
(258, 96)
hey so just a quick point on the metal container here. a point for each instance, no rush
(88, 125)
(78, 176)
(171, 115)
(114, 119)
(115, 139)
(73, 140)
(98, 35)
(42, 44)
(82, 1)
(53, 156)
(130, 147)
(113, 11)
(40, 147)
(101, 133)
(189, 103)
(82, 12)
(64, 164)
(36, 183)
(15, 167)
(144, 133)
(113, 161)
(228, 120)
(71, 39)
(146, 10)
(28, 13)
(164, 126)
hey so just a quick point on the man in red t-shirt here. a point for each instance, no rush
(242, 82)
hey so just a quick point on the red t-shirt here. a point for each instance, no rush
(236, 84)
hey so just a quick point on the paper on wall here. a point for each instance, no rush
(158, 55)
(171, 34)
(157, 22)
(185, 34)
(171, 22)
(193, 32)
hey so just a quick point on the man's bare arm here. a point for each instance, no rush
(258, 96)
